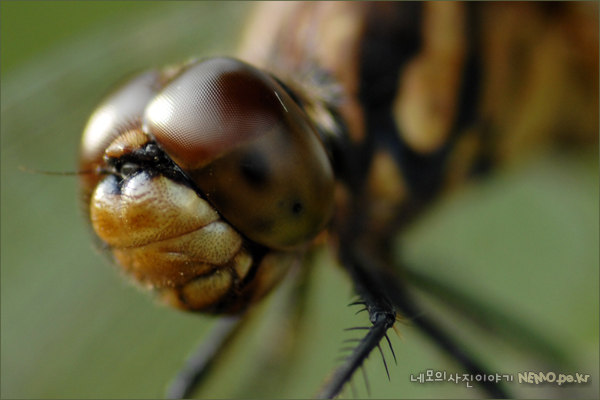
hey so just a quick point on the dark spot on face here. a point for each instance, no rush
(128, 169)
(255, 169)
(294, 207)
(152, 150)
(297, 208)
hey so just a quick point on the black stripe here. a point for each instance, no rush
(391, 39)
(385, 52)
(425, 173)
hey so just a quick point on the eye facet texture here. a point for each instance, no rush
(248, 147)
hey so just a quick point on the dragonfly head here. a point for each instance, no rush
(190, 170)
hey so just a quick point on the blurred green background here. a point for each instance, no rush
(526, 241)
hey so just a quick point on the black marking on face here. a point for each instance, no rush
(297, 207)
(255, 169)
(150, 159)
(128, 169)
(292, 205)
(152, 150)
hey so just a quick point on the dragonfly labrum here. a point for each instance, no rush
(335, 124)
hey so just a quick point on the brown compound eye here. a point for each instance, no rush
(248, 147)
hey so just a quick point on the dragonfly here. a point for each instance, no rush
(283, 74)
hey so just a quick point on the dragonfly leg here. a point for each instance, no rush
(384, 319)
(381, 314)
(288, 306)
(376, 280)
(200, 363)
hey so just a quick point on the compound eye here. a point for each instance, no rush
(124, 106)
(248, 147)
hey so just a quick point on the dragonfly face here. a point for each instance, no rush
(196, 171)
